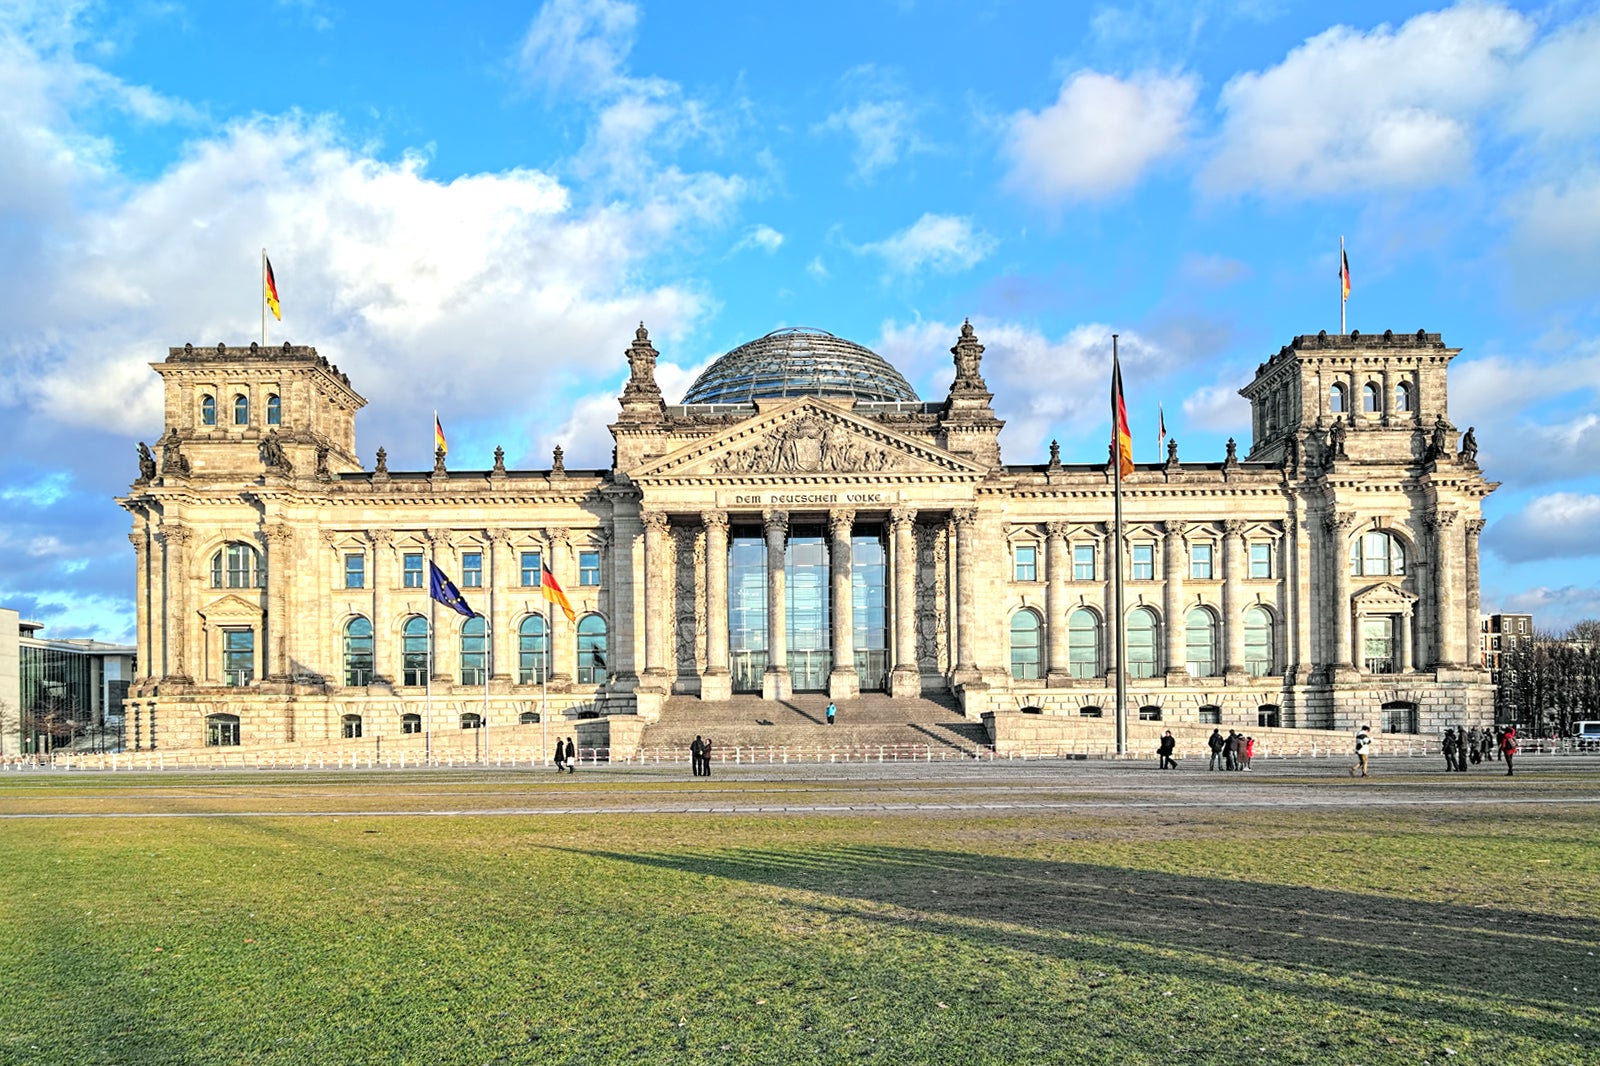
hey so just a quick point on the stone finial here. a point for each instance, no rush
(1055, 455)
(558, 466)
(499, 461)
(1172, 451)
(969, 359)
(1232, 458)
(642, 357)
(382, 466)
(438, 462)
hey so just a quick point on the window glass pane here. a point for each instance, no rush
(1402, 397)
(532, 651)
(474, 652)
(412, 566)
(591, 650)
(355, 571)
(869, 610)
(588, 568)
(1025, 664)
(1083, 562)
(1200, 562)
(274, 411)
(1141, 650)
(1377, 644)
(1083, 644)
(1369, 399)
(1144, 562)
(358, 652)
(208, 410)
(1261, 560)
(1336, 399)
(241, 410)
(238, 656)
(1027, 562)
(530, 570)
(1200, 642)
(1257, 642)
(414, 652)
(747, 609)
(471, 570)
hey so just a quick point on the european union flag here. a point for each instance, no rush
(444, 590)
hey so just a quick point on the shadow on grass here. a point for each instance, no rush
(1350, 949)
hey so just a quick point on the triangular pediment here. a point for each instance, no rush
(1384, 598)
(807, 438)
(230, 608)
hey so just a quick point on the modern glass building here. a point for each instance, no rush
(58, 694)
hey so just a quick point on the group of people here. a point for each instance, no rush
(1478, 745)
(1231, 752)
(700, 756)
(566, 756)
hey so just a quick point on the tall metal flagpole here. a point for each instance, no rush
(544, 680)
(427, 729)
(1343, 299)
(263, 297)
(1116, 569)
(488, 652)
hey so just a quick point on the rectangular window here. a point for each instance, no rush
(1027, 563)
(238, 657)
(355, 571)
(1200, 562)
(588, 568)
(1378, 644)
(530, 570)
(1144, 562)
(472, 570)
(1083, 562)
(1261, 560)
(412, 566)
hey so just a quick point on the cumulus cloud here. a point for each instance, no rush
(1554, 610)
(942, 244)
(1556, 91)
(1560, 525)
(1218, 408)
(763, 237)
(579, 47)
(1347, 110)
(884, 132)
(1534, 413)
(1099, 137)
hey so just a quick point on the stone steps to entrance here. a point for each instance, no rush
(869, 722)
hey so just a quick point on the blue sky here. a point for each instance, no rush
(470, 206)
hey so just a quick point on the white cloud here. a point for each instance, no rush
(1560, 525)
(1348, 111)
(579, 47)
(1099, 137)
(763, 237)
(943, 244)
(817, 268)
(884, 132)
(1554, 610)
(1555, 244)
(1557, 90)
(1218, 408)
(1534, 413)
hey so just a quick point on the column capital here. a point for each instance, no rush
(775, 522)
(655, 521)
(841, 522)
(1056, 530)
(1339, 522)
(964, 517)
(902, 516)
(1174, 528)
(381, 538)
(138, 541)
(1438, 521)
(561, 536)
(498, 536)
(1234, 527)
(1475, 526)
(714, 520)
(329, 538)
(174, 536)
(439, 538)
(277, 534)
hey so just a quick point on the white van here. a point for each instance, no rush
(1587, 734)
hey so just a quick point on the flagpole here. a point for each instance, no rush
(1116, 541)
(544, 680)
(488, 650)
(263, 297)
(1343, 299)
(427, 730)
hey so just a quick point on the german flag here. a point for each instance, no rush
(553, 593)
(1122, 440)
(439, 444)
(270, 288)
(1344, 272)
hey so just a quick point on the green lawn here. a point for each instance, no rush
(1462, 934)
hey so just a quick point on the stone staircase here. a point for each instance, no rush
(863, 726)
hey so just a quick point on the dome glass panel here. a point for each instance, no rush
(800, 362)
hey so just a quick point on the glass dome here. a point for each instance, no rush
(800, 362)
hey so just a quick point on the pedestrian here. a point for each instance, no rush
(1461, 748)
(1508, 746)
(705, 758)
(1449, 748)
(561, 755)
(1249, 751)
(694, 755)
(572, 757)
(1363, 747)
(830, 712)
(1486, 742)
(1215, 743)
(1235, 750)
(1165, 749)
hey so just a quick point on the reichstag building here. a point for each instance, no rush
(803, 522)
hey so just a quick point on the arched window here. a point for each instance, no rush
(411, 723)
(1369, 399)
(222, 731)
(237, 566)
(358, 652)
(474, 652)
(1269, 716)
(1258, 642)
(1083, 643)
(592, 650)
(1402, 396)
(350, 727)
(414, 651)
(208, 410)
(241, 410)
(533, 652)
(1149, 713)
(1210, 714)
(528, 718)
(1336, 398)
(1200, 642)
(274, 410)
(472, 720)
(1143, 631)
(1025, 628)
(1377, 554)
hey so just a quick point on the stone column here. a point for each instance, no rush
(1449, 575)
(140, 539)
(502, 641)
(562, 636)
(385, 637)
(446, 644)
(775, 682)
(843, 680)
(905, 681)
(1386, 406)
(176, 597)
(275, 628)
(966, 523)
(1474, 529)
(1172, 560)
(1234, 566)
(717, 682)
(1338, 528)
(1057, 563)
(657, 582)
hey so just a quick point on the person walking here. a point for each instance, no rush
(1449, 748)
(1461, 748)
(572, 757)
(1363, 748)
(561, 755)
(830, 712)
(1508, 746)
(705, 758)
(1215, 743)
(1235, 750)
(1165, 749)
(695, 751)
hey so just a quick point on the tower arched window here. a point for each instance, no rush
(533, 651)
(208, 410)
(1369, 399)
(1143, 634)
(414, 651)
(1402, 396)
(1377, 554)
(592, 668)
(241, 410)
(1258, 659)
(1083, 643)
(274, 410)
(474, 652)
(1200, 642)
(237, 566)
(358, 651)
(1025, 628)
(1336, 399)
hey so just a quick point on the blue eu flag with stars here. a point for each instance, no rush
(444, 590)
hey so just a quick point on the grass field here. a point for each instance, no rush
(1163, 932)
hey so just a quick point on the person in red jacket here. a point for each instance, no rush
(1508, 746)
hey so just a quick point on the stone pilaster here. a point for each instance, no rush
(657, 595)
(1233, 598)
(385, 634)
(775, 683)
(1172, 565)
(1449, 577)
(716, 683)
(140, 539)
(275, 629)
(502, 575)
(843, 680)
(1474, 530)
(176, 595)
(1337, 527)
(966, 526)
(562, 635)
(1057, 571)
(441, 625)
(905, 681)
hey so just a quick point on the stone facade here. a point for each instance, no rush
(1327, 579)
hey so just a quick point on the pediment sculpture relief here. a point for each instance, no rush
(811, 445)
